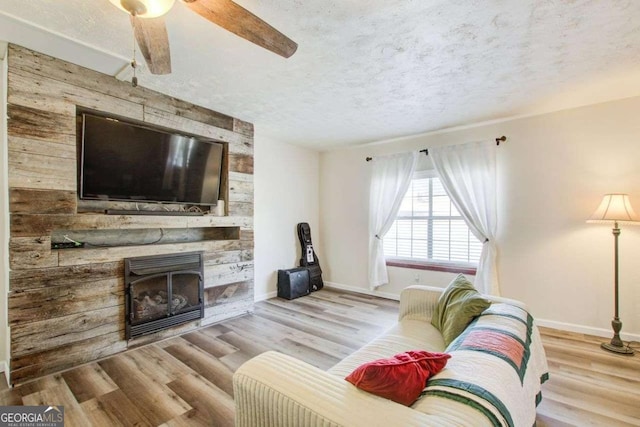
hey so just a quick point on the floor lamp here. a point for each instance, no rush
(615, 208)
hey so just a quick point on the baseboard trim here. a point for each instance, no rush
(588, 330)
(264, 297)
(358, 290)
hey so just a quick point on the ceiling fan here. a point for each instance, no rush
(147, 19)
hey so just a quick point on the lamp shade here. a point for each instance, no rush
(614, 207)
(144, 8)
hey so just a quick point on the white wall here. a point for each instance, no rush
(286, 189)
(552, 173)
(4, 215)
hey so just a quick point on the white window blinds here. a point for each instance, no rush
(428, 226)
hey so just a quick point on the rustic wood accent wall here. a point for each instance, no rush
(66, 306)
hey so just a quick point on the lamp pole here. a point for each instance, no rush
(616, 345)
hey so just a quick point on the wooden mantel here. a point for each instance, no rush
(66, 306)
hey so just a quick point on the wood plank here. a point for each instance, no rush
(243, 127)
(241, 163)
(40, 125)
(27, 170)
(209, 344)
(240, 177)
(221, 312)
(32, 225)
(22, 280)
(314, 326)
(114, 409)
(110, 238)
(228, 293)
(35, 91)
(211, 406)
(60, 395)
(166, 333)
(46, 303)
(246, 235)
(241, 191)
(45, 148)
(23, 225)
(33, 365)
(155, 401)
(88, 382)
(33, 62)
(315, 350)
(31, 252)
(226, 257)
(157, 364)
(223, 274)
(24, 92)
(30, 201)
(241, 197)
(167, 120)
(202, 363)
(248, 349)
(220, 221)
(69, 257)
(241, 208)
(29, 337)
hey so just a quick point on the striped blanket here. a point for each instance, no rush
(495, 372)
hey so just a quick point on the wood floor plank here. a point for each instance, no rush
(247, 350)
(268, 332)
(210, 344)
(186, 380)
(211, 406)
(154, 400)
(157, 364)
(59, 395)
(202, 363)
(114, 409)
(88, 381)
(311, 328)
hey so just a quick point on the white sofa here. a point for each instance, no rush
(276, 390)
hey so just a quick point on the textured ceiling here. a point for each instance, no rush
(367, 70)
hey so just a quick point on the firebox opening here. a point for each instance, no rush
(163, 291)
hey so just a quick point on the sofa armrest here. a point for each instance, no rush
(418, 302)
(276, 390)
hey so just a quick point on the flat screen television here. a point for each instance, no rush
(131, 162)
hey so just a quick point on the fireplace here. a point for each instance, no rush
(163, 291)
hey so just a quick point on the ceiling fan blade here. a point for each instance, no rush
(245, 24)
(153, 40)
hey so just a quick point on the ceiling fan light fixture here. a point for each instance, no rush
(144, 8)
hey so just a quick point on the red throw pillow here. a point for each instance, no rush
(400, 378)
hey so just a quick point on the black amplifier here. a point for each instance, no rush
(293, 283)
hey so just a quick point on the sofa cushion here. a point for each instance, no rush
(457, 306)
(400, 378)
(405, 335)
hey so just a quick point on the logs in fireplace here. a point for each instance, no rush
(163, 291)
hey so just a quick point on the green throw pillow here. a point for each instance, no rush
(458, 305)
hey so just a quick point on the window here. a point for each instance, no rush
(429, 228)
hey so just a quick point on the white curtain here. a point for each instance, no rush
(468, 173)
(390, 179)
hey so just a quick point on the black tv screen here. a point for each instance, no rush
(130, 162)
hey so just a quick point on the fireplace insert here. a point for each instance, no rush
(163, 291)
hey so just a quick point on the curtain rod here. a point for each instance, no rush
(426, 151)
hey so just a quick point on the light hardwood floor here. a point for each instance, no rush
(186, 381)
